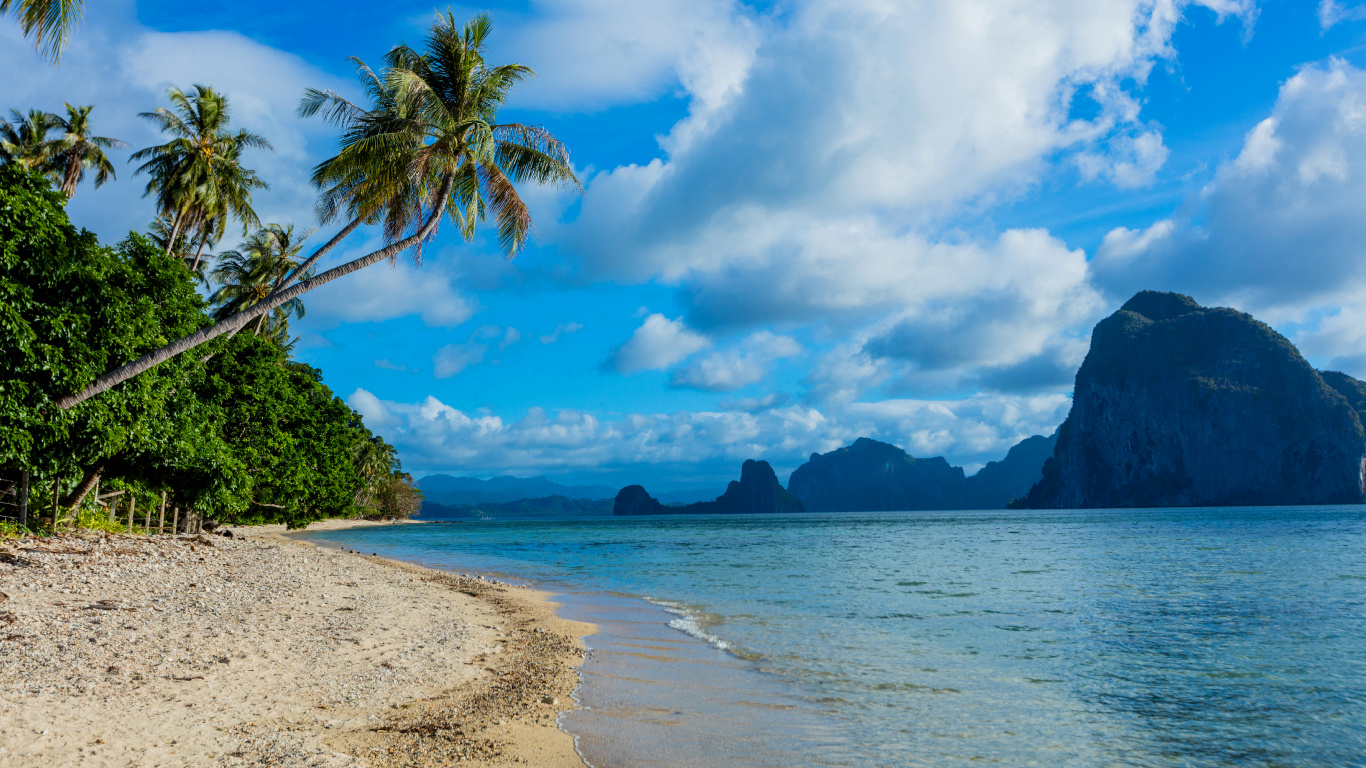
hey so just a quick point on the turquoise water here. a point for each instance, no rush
(1197, 637)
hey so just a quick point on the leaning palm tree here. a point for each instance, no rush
(77, 151)
(248, 275)
(429, 146)
(197, 177)
(48, 22)
(24, 139)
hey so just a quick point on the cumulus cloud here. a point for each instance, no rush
(739, 367)
(658, 343)
(434, 436)
(1282, 228)
(823, 188)
(849, 107)
(591, 54)
(387, 291)
(1132, 160)
(124, 68)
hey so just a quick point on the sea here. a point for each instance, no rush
(1136, 637)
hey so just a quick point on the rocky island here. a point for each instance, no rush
(1182, 405)
(872, 476)
(757, 492)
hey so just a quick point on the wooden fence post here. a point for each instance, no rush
(56, 491)
(23, 499)
(175, 521)
(132, 510)
(147, 520)
(161, 515)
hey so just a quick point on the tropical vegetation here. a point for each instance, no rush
(26, 140)
(48, 22)
(429, 146)
(242, 435)
(98, 393)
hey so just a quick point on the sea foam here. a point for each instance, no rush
(689, 623)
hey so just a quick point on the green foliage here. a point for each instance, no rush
(244, 436)
(71, 309)
(397, 497)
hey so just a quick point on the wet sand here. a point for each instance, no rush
(260, 650)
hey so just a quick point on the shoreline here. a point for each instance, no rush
(266, 650)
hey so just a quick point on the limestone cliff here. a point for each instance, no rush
(872, 476)
(1182, 405)
(757, 492)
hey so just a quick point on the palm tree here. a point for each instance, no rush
(24, 140)
(77, 151)
(49, 22)
(197, 177)
(374, 461)
(250, 273)
(430, 145)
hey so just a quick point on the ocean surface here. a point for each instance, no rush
(1191, 637)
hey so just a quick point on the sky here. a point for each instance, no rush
(801, 222)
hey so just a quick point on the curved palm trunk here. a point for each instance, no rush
(88, 481)
(307, 265)
(199, 253)
(158, 356)
(175, 232)
(72, 177)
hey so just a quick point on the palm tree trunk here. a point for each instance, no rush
(307, 265)
(73, 176)
(158, 356)
(92, 476)
(204, 239)
(176, 224)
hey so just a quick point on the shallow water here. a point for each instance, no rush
(1197, 637)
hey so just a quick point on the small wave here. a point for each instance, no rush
(689, 624)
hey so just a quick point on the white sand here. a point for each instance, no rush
(194, 651)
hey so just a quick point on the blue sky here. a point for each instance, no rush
(802, 222)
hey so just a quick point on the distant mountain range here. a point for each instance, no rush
(871, 476)
(547, 508)
(463, 491)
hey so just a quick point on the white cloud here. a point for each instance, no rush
(454, 358)
(1132, 160)
(1331, 13)
(561, 330)
(853, 106)
(737, 367)
(435, 437)
(124, 68)
(1282, 228)
(592, 54)
(658, 343)
(387, 291)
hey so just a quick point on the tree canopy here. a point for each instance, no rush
(242, 434)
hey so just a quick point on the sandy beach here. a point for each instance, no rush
(260, 650)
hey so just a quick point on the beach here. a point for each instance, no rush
(259, 650)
